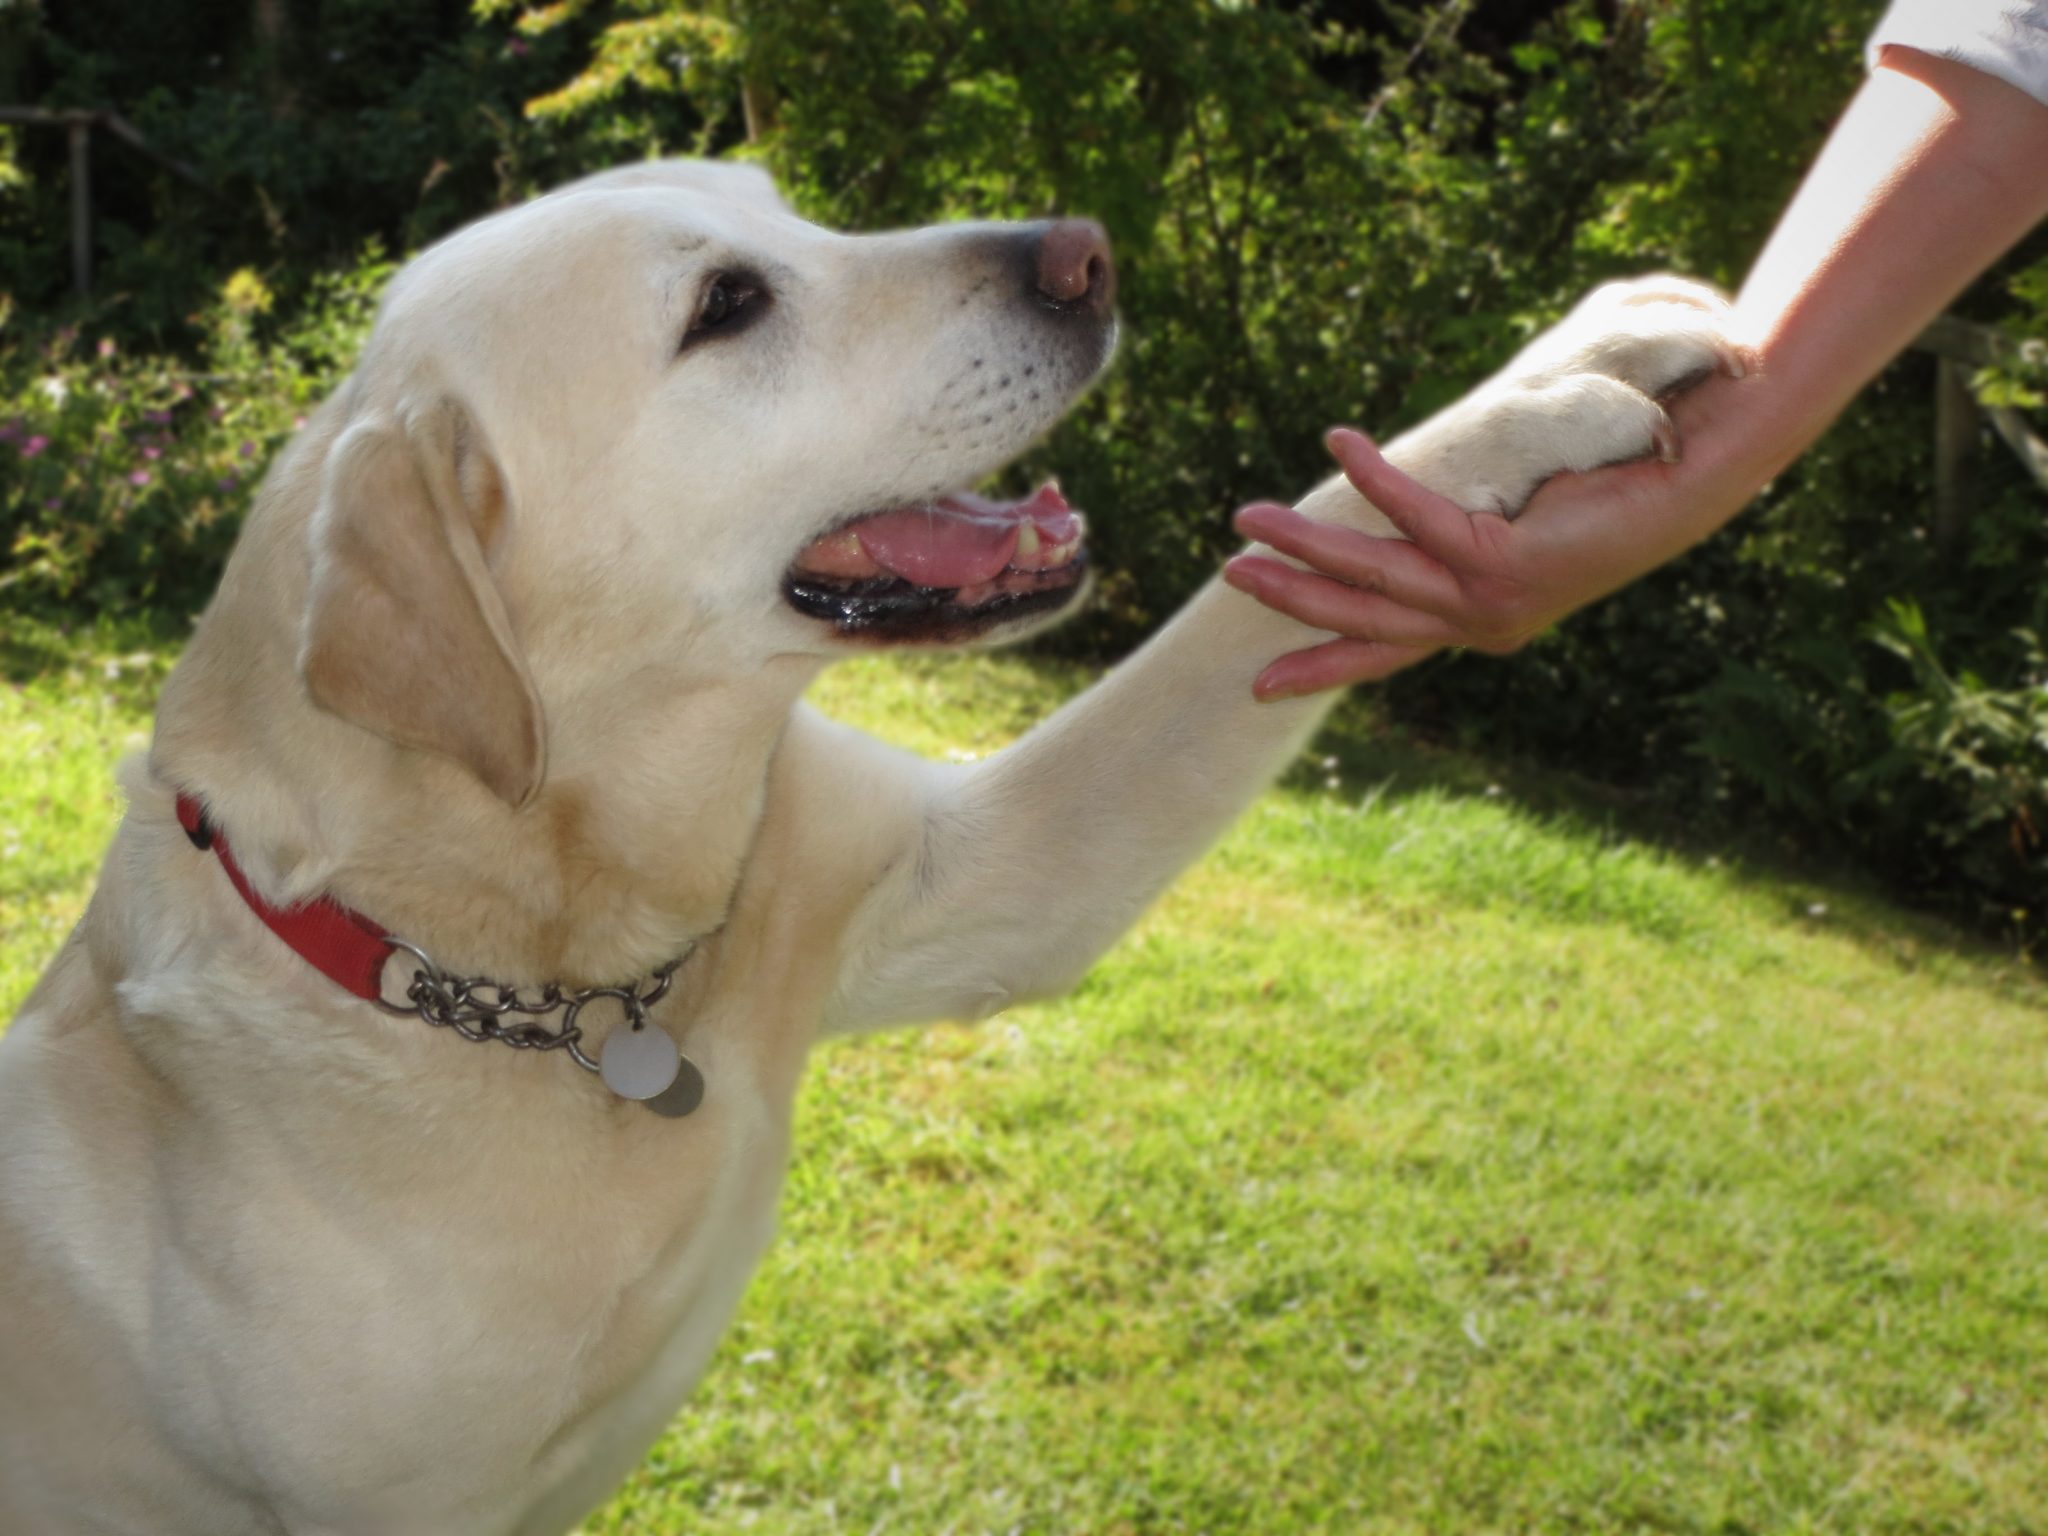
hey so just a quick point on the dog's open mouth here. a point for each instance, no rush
(956, 565)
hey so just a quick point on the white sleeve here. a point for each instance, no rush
(2006, 38)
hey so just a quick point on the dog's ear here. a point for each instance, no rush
(406, 633)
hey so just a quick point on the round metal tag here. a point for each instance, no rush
(639, 1063)
(681, 1096)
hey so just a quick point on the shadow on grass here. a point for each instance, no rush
(140, 648)
(1372, 755)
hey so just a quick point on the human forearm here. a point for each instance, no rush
(1933, 172)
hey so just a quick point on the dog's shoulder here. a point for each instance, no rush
(841, 807)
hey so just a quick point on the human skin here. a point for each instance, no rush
(1933, 172)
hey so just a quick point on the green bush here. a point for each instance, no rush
(309, 125)
(1322, 211)
(127, 474)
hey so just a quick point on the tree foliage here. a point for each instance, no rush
(1346, 210)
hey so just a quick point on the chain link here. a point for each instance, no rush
(476, 1007)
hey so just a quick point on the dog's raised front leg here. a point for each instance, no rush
(1030, 864)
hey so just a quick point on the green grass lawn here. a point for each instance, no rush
(1435, 1158)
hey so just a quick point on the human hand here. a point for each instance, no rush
(1479, 580)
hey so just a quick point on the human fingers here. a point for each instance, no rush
(1434, 524)
(1334, 664)
(1323, 603)
(1393, 567)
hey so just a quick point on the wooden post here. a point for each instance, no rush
(757, 104)
(1955, 445)
(78, 127)
(80, 131)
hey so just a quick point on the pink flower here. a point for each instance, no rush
(228, 482)
(516, 47)
(248, 450)
(139, 477)
(152, 452)
(106, 346)
(34, 446)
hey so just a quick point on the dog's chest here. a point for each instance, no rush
(666, 1327)
(494, 1335)
(653, 1324)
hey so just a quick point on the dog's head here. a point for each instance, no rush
(657, 414)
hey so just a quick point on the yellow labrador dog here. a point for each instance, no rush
(385, 1151)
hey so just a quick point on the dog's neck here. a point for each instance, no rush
(631, 850)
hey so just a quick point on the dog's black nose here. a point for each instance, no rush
(1074, 268)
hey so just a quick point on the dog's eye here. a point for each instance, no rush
(722, 300)
(730, 301)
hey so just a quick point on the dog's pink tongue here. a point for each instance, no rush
(960, 541)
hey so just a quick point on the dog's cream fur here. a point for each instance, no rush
(501, 660)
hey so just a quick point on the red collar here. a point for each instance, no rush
(343, 946)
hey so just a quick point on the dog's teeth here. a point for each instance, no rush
(1027, 542)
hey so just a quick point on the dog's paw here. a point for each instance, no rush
(1658, 335)
(1583, 394)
